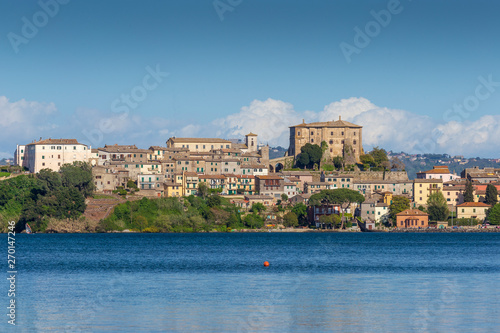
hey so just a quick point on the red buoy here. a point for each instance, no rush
(266, 264)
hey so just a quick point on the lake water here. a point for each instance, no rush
(316, 282)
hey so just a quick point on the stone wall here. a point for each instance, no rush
(375, 175)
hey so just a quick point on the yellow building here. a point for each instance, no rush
(423, 188)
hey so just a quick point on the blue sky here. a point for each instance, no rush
(258, 66)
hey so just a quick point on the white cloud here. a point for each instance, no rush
(347, 108)
(392, 129)
(269, 119)
(23, 121)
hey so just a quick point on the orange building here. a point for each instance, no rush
(412, 218)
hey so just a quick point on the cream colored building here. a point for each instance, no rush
(19, 155)
(337, 134)
(52, 154)
(199, 144)
(472, 210)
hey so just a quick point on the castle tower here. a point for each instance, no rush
(251, 142)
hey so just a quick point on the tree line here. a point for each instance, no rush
(36, 198)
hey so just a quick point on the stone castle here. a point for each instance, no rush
(342, 137)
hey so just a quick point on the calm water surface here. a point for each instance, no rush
(336, 282)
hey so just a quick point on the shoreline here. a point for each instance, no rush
(464, 230)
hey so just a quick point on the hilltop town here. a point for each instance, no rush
(321, 157)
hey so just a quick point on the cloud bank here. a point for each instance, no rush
(393, 129)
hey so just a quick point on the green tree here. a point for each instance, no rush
(131, 184)
(202, 189)
(437, 208)
(338, 162)
(325, 220)
(284, 198)
(491, 195)
(214, 200)
(379, 155)
(254, 221)
(399, 203)
(494, 214)
(290, 220)
(78, 175)
(367, 159)
(258, 207)
(303, 160)
(310, 154)
(469, 192)
(300, 211)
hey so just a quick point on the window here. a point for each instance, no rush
(312, 140)
(43, 157)
(342, 133)
(354, 142)
(74, 147)
(331, 133)
(298, 133)
(43, 164)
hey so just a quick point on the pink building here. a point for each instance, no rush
(438, 172)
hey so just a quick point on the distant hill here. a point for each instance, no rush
(7, 161)
(456, 164)
(275, 152)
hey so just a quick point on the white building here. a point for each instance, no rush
(51, 154)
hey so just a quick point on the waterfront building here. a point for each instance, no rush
(412, 219)
(472, 210)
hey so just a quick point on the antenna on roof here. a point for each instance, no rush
(340, 117)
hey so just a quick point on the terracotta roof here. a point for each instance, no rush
(245, 176)
(251, 154)
(473, 204)
(190, 174)
(253, 166)
(199, 140)
(240, 146)
(335, 123)
(438, 169)
(412, 212)
(269, 177)
(251, 134)
(318, 183)
(258, 196)
(157, 148)
(428, 180)
(56, 142)
(211, 177)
